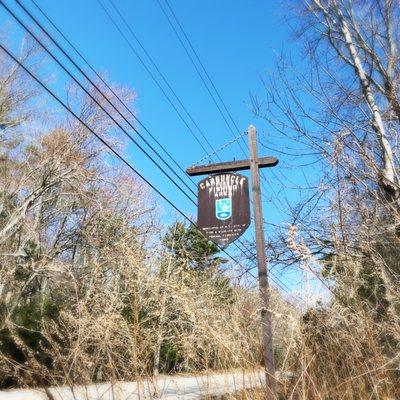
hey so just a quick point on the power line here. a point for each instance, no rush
(93, 97)
(121, 101)
(198, 71)
(154, 64)
(75, 115)
(104, 82)
(202, 79)
(103, 141)
(215, 152)
(205, 72)
(95, 86)
(202, 65)
(107, 85)
(129, 27)
(174, 93)
(96, 101)
(196, 68)
(201, 76)
(152, 75)
(86, 90)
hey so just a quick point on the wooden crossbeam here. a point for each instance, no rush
(263, 162)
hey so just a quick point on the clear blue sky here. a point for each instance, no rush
(237, 41)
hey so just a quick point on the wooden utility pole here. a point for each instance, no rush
(266, 319)
(254, 164)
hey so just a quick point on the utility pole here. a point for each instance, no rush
(254, 164)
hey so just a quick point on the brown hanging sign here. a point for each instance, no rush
(223, 212)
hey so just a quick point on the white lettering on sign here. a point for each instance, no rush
(222, 185)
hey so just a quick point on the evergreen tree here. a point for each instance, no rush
(192, 248)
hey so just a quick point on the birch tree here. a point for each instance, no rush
(332, 116)
(364, 37)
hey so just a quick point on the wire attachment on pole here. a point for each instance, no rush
(224, 146)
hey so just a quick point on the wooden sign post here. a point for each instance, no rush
(227, 209)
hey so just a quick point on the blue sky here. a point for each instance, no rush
(237, 41)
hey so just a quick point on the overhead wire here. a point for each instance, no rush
(74, 78)
(213, 98)
(174, 93)
(98, 136)
(202, 66)
(102, 140)
(88, 93)
(104, 82)
(27, 29)
(95, 86)
(185, 35)
(212, 84)
(200, 74)
(196, 68)
(165, 80)
(148, 70)
(151, 75)
(84, 89)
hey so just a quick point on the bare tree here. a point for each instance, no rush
(334, 114)
(362, 36)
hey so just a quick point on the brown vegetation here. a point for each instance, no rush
(94, 288)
